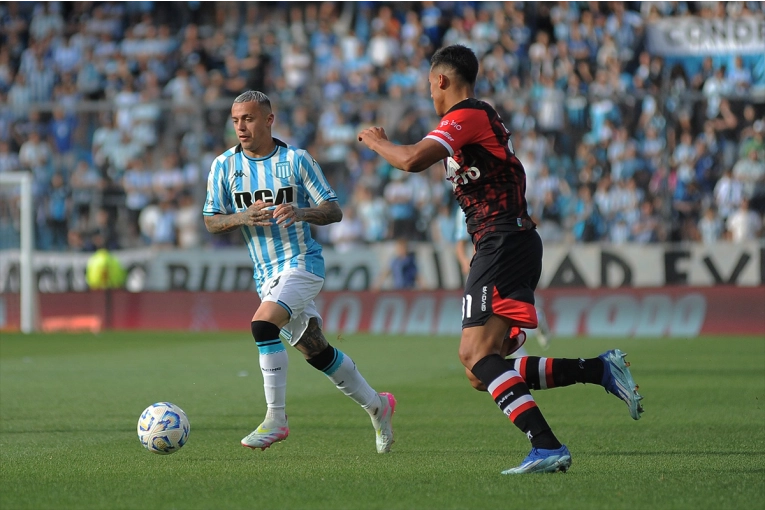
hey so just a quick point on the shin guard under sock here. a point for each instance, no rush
(512, 396)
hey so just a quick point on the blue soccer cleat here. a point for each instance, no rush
(543, 461)
(618, 380)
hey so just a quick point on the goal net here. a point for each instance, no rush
(18, 299)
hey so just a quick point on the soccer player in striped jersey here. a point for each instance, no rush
(489, 183)
(266, 189)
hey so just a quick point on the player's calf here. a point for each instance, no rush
(341, 370)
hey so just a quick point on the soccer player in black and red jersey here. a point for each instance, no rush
(489, 183)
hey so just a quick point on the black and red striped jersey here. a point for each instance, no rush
(488, 179)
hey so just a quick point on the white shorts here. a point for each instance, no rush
(294, 290)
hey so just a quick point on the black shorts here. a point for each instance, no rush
(504, 273)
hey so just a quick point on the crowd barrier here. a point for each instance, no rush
(564, 266)
(678, 312)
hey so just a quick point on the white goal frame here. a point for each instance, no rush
(27, 285)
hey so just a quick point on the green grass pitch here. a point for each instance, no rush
(69, 405)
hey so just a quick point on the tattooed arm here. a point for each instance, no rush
(255, 215)
(312, 342)
(326, 213)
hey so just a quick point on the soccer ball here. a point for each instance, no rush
(163, 428)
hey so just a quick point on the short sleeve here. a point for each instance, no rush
(314, 181)
(217, 200)
(458, 128)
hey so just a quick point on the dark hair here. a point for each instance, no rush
(459, 58)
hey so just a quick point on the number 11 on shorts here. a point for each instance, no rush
(467, 306)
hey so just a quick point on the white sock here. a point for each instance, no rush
(347, 378)
(273, 365)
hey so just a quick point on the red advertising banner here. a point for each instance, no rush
(662, 312)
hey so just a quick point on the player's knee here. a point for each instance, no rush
(474, 381)
(468, 356)
(264, 330)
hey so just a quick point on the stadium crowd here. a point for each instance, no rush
(118, 108)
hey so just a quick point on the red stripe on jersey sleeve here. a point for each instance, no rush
(462, 127)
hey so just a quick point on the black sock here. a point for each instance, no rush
(545, 373)
(512, 396)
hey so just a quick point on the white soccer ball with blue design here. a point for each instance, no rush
(163, 428)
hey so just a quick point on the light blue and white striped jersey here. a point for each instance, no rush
(287, 175)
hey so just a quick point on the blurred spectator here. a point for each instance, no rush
(187, 222)
(728, 193)
(402, 269)
(57, 210)
(138, 185)
(159, 226)
(105, 137)
(748, 171)
(167, 180)
(46, 21)
(296, 63)
(104, 233)
(347, 234)
(35, 155)
(442, 226)
(399, 195)
(581, 92)
(40, 80)
(744, 224)
(715, 87)
(9, 161)
(586, 227)
(120, 154)
(647, 227)
(19, 96)
(710, 227)
(61, 131)
(372, 213)
(739, 78)
(86, 186)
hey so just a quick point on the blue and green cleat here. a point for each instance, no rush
(618, 380)
(543, 461)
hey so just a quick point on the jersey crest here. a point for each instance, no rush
(282, 170)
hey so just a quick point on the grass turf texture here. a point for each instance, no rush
(69, 405)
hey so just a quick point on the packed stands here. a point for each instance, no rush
(118, 109)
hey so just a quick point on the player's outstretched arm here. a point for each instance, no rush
(324, 214)
(409, 158)
(257, 215)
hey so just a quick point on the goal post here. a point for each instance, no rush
(27, 284)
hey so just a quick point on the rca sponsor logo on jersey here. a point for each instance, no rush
(244, 199)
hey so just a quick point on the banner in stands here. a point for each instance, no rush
(694, 36)
(578, 266)
(670, 312)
